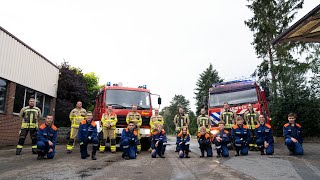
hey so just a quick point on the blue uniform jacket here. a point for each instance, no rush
(156, 136)
(46, 133)
(183, 138)
(132, 137)
(241, 132)
(87, 130)
(225, 135)
(264, 132)
(293, 131)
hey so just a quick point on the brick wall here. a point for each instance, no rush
(10, 123)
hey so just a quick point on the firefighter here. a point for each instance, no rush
(158, 139)
(251, 120)
(87, 133)
(203, 120)
(227, 116)
(47, 138)
(76, 116)
(292, 133)
(221, 140)
(183, 142)
(109, 121)
(264, 138)
(179, 121)
(204, 140)
(136, 118)
(156, 119)
(30, 116)
(241, 136)
(129, 141)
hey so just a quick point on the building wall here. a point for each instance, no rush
(10, 122)
(21, 64)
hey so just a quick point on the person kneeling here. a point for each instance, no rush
(264, 138)
(157, 142)
(88, 134)
(204, 142)
(129, 142)
(241, 135)
(183, 143)
(221, 140)
(47, 138)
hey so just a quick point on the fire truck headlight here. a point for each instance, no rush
(214, 132)
(145, 131)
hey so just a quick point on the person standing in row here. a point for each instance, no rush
(109, 121)
(227, 116)
(251, 120)
(203, 120)
(76, 116)
(30, 116)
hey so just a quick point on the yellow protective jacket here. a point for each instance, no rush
(135, 117)
(109, 119)
(30, 117)
(156, 119)
(76, 116)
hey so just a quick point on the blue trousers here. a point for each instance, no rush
(184, 148)
(205, 147)
(128, 149)
(269, 149)
(84, 147)
(295, 147)
(222, 149)
(159, 149)
(241, 147)
(43, 148)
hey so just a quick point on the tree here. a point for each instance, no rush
(72, 88)
(205, 81)
(284, 63)
(92, 81)
(169, 112)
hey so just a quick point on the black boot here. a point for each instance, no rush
(34, 151)
(237, 152)
(262, 151)
(18, 151)
(94, 151)
(202, 153)
(40, 155)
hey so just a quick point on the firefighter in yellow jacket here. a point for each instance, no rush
(109, 121)
(76, 116)
(135, 117)
(251, 119)
(155, 120)
(30, 116)
(180, 120)
(203, 120)
(227, 116)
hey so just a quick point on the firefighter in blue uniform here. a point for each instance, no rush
(88, 134)
(129, 141)
(241, 136)
(204, 140)
(292, 133)
(221, 140)
(157, 140)
(183, 142)
(47, 138)
(264, 138)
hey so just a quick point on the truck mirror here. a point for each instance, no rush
(159, 100)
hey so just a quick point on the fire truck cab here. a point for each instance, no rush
(121, 99)
(238, 94)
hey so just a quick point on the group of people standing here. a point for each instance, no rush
(245, 133)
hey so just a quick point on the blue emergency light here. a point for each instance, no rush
(144, 86)
(108, 83)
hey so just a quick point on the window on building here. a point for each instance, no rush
(22, 99)
(3, 94)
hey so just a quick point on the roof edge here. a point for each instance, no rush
(279, 37)
(10, 34)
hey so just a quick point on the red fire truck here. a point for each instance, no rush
(122, 99)
(238, 93)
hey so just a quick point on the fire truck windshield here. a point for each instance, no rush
(125, 99)
(236, 97)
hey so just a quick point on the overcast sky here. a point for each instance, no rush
(164, 44)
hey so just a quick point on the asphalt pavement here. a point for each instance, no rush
(113, 166)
